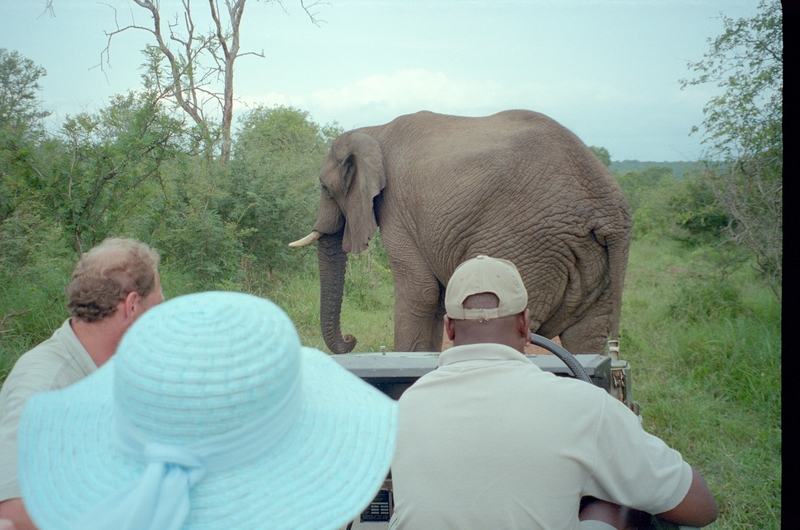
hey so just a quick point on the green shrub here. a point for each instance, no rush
(272, 188)
(188, 228)
(697, 212)
(35, 265)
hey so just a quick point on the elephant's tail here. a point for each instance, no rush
(618, 246)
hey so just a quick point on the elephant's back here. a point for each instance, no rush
(520, 161)
(515, 185)
(479, 151)
(484, 179)
(430, 133)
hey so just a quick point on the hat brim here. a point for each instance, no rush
(321, 475)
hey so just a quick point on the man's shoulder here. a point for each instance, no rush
(54, 348)
(501, 366)
(50, 365)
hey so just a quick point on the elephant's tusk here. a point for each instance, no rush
(310, 238)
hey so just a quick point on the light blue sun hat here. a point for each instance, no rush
(210, 415)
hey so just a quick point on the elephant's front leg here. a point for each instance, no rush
(418, 312)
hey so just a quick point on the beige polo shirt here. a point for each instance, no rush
(56, 363)
(488, 440)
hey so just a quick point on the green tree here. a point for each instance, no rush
(20, 125)
(19, 81)
(602, 154)
(742, 131)
(273, 184)
(105, 166)
(648, 193)
(190, 230)
(33, 256)
(639, 186)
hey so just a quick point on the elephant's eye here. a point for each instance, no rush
(324, 190)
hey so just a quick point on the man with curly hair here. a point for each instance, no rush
(111, 286)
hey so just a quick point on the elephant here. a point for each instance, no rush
(443, 189)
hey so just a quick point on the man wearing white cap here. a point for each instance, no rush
(488, 440)
(112, 285)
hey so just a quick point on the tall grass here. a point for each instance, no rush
(32, 305)
(367, 308)
(705, 349)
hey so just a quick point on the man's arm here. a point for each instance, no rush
(14, 510)
(698, 507)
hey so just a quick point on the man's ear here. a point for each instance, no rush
(131, 306)
(450, 327)
(523, 324)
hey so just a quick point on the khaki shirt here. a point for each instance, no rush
(56, 363)
(488, 440)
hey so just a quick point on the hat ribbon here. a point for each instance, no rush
(158, 499)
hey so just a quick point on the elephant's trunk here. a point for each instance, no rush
(332, 266)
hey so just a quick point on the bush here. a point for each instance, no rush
(189, 230)
(697, 212)
(648, 195)
(272, 187)
(35, 266)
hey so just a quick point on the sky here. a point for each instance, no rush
(608, 70)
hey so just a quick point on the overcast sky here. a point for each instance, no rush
(607, 70)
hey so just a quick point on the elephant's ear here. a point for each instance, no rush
(364, 176)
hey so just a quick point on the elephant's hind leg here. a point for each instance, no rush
(418, 313)
(590, 333)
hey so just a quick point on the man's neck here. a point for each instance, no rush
(100, 339)
(504, 342)
(491, 332)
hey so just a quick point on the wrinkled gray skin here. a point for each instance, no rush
(443, 189)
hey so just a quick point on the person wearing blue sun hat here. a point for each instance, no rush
(210, 415)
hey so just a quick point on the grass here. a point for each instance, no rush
(705, 351)
(32, 303)
(704, 345)
(367, 308)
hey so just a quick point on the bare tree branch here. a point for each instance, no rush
(309, 9)
(10, 315)
(48, 8)
(190, 81)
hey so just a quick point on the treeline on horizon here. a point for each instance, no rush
(626, 166)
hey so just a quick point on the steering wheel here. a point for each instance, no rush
(566, 357)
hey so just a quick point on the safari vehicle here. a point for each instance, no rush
(393, 372)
